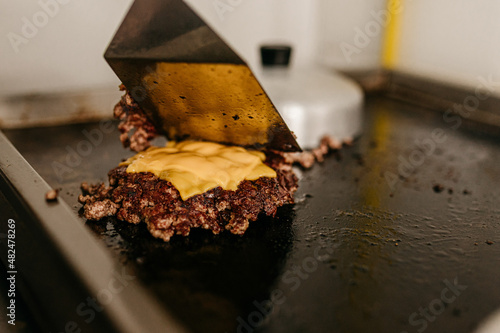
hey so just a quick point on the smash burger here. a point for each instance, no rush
(188, 184)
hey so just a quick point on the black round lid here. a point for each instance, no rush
(275, 55)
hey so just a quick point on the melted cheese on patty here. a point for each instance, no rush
(195, 167)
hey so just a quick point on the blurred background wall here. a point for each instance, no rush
(51, 50)
(453, 41)
(246, 24)
(60, 53)
(51, 64)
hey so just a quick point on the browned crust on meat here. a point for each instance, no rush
(136, 129)
(52, 195)
(308, 158)
(143, 197)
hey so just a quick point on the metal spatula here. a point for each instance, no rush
(190, 82)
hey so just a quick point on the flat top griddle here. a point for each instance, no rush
(353, 255)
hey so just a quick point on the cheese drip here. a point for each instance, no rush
(195, 167)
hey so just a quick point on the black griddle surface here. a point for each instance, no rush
(353, 255)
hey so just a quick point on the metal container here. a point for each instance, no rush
(314, 102)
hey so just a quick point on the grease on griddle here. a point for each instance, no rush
(438, 188)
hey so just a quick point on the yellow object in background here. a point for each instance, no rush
(392, 34)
